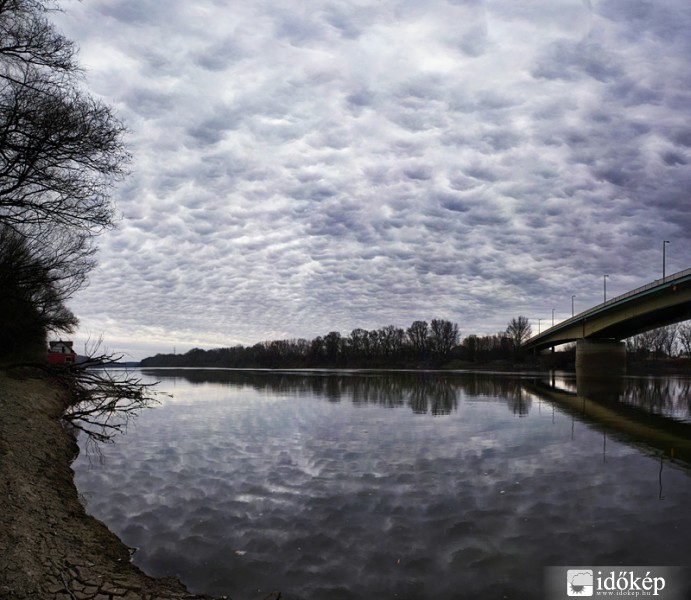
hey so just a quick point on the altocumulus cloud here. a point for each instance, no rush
(302, 167)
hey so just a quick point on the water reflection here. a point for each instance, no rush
(367, 485)
(427, 392)
(663, 396)
(438, 393)
(651, 412)
(624, 409)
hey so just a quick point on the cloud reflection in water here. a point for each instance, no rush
(351, 487)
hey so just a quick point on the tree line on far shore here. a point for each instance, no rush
(434, 344)
(664, 342)
(424, 344)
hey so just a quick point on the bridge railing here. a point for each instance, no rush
(638, 290)
(593, 309)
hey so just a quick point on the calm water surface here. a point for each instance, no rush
(416, 486)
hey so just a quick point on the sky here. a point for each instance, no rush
(323, 165)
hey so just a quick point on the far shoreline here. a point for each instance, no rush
(680, 366)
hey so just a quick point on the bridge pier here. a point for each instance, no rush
(600, 358)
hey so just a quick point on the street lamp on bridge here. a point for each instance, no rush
(605, 281)
(664, 244)
(572, 298)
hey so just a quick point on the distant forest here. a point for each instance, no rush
(436, 344)
(423, 345)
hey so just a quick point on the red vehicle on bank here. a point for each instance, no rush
(61, 353)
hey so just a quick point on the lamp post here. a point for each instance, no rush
(572, 298)
(538, 325)
(664, 245)
(552, 317)
(605, 281)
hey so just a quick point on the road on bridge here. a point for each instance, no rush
(658, 303)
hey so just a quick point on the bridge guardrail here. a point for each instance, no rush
(592, 309)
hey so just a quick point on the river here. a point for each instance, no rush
(361, 485)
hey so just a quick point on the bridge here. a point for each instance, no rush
(600, 328)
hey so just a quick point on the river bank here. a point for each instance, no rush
(50, 548)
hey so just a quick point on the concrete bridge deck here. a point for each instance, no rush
(661, 302)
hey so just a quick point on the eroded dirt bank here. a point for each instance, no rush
(49, 547)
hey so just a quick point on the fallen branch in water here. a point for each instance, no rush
(101, 401)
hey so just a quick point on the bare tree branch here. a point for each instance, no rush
(103, 402)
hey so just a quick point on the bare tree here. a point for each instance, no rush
(357, 343)
(27, 38)
(418, 336)
(444, 336)
(333, 347)
(374, 347)
(684, 334)
(658, 342)
(636, 346)
(668, 339)
(391, 340)
(61, 151)
(646, 343)
(519, 330)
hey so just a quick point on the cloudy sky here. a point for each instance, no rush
(304, 167)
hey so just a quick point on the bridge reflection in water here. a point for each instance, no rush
(651, 414)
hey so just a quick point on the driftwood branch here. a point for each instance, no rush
(101, 402)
